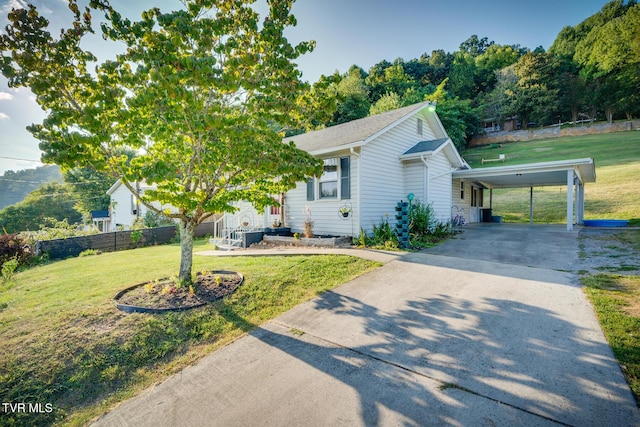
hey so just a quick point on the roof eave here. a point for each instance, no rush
(337, 148)
(416, 156)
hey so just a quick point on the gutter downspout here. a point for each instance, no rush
(426, 178)
(359, 216)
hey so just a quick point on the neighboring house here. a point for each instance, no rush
(125, 209)
(101, 220)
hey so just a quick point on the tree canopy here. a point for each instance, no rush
(591, 71)
(195, 95)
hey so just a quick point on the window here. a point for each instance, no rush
(311, 189)
(337, 174)
(461, 190)
(419, 126)
(329, 180)
(345, 177)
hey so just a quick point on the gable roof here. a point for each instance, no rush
(425, 146)
(353, 133)
(430, 148)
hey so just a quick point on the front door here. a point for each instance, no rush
(476, 204)
(273, 217)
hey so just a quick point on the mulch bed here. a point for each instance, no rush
(166, 295)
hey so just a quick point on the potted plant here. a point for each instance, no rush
(344, 211)
(308, 223)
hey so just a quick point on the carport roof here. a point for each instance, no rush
(531, 174)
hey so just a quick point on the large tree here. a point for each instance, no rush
(195, 94)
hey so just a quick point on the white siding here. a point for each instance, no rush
(123, 205)
(414, 176)
(246, 213)
(439, 186)
(383, 174)
(324, 212)
(466, 203)
(121, 209)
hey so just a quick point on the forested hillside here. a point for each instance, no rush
(591, 72)
(15, 185)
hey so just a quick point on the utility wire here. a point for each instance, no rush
(23, 160)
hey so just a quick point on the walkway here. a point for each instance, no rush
(427, 339)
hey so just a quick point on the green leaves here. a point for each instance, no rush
(194, 94)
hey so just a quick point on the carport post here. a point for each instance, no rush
(580, 203)
(530, 205)
(570, 200)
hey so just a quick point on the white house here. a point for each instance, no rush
(124, 208)
(372, 163)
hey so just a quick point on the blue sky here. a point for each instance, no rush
(347, 32)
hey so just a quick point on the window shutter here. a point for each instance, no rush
(311, 189)
(345, 177)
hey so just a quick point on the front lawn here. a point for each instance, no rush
(65, 344)
(616, 300)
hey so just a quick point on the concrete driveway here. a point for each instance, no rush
(472, 332)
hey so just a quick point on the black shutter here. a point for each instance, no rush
(345, 177)
(311, 189)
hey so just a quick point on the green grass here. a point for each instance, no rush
(614, 195)
(616, 300)
(65, 343)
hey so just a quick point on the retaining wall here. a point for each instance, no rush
(553, 132)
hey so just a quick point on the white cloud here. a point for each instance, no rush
(13, 4)
(4, 96)
(3, 116)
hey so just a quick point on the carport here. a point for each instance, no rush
(572, 173)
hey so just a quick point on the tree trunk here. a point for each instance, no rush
(609, 112)
(187, 231)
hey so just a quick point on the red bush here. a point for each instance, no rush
(12, 245)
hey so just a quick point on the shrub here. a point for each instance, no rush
(89, 252)
(424, 227)
(8, 268)
(383, 236)
(13, 246)
(152, 220)
(422, 220)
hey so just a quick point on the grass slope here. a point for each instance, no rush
(65, 343)
(614, 195)
(616, 300)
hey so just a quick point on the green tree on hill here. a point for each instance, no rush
(52, 200)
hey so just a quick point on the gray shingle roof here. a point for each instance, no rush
(352, 132)
(426, 146)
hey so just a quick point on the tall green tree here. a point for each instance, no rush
(389, 101)
(610, 56)
(51, 200)
(195, 94)
(534, 97)
(89, 187)
(353, 97)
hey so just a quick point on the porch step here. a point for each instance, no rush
(224, 244)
